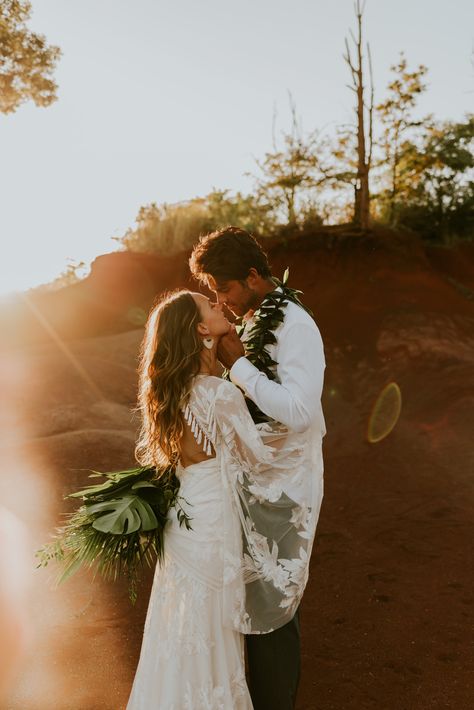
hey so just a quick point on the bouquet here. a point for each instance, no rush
(120, 525)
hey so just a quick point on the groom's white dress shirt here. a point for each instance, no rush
(295, 399)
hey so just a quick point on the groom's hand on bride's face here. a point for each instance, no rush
(229, 348)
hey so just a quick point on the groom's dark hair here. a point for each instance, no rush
(228, 254)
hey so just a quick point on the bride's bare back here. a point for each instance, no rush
(190, 451)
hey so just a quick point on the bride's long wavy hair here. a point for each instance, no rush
(169, 359)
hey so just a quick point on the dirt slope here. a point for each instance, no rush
(387, 616)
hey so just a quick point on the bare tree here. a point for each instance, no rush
(364, 113)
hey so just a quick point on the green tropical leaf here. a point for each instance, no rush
(122, 516)
(114, 483)
(139, 485)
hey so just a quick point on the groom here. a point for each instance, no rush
(233, 265)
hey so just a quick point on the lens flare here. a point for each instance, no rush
(385, 413)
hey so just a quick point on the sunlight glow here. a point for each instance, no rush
(63, 347)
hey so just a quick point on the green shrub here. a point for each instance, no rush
(168, 229)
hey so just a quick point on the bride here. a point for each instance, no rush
(243, 566)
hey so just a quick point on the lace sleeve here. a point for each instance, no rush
(240, 434)
(268, 544)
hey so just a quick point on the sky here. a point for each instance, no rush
(164, 100)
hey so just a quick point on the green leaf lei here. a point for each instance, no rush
(266, 320)
(120, 526)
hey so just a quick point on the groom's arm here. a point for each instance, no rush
(295, 401)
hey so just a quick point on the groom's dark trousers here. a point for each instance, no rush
(274, 665)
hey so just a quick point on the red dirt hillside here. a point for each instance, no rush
(387, 616)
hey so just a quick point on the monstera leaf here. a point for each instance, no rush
(123, 515)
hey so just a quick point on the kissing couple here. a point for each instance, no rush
(247, 445)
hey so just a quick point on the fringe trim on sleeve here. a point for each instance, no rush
(206, 439)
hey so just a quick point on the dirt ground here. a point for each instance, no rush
(387, 618)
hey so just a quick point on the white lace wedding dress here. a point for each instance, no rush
(189, 660)
(226, 576)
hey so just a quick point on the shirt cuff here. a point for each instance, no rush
(241, 371)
